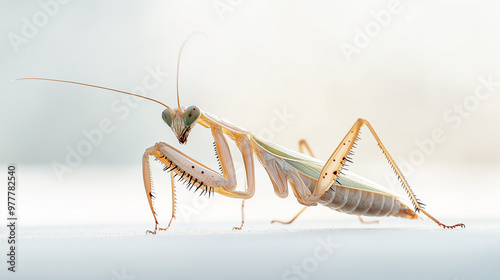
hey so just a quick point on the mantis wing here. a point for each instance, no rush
(311, 167)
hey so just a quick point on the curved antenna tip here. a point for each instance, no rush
(197, 32)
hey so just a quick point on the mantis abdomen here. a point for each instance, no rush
(365, 203)
(350, 194)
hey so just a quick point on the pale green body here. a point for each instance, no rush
(351, 194)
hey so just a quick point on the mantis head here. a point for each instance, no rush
(181, 121)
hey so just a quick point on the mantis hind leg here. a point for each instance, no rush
(340, 156)
(367, 222)
(305, 148)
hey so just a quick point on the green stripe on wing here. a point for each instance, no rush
(311, 167)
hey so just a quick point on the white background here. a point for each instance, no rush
(257, 60)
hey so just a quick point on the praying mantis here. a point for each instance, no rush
(312, 181)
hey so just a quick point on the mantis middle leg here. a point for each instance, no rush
(303, 146)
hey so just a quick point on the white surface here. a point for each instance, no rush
(261, 251)
(57, 242)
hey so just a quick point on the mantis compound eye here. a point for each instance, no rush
(191, 114)
(167, 117)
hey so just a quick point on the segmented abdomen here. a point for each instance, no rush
(359, 202)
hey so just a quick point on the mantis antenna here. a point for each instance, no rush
(129, 93)
(179, 62)
(89, 85)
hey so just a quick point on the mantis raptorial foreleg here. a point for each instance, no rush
(149, 187)
(198, 174)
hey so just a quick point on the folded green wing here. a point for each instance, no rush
(311, 167)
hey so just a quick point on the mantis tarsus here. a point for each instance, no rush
(311, 180)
